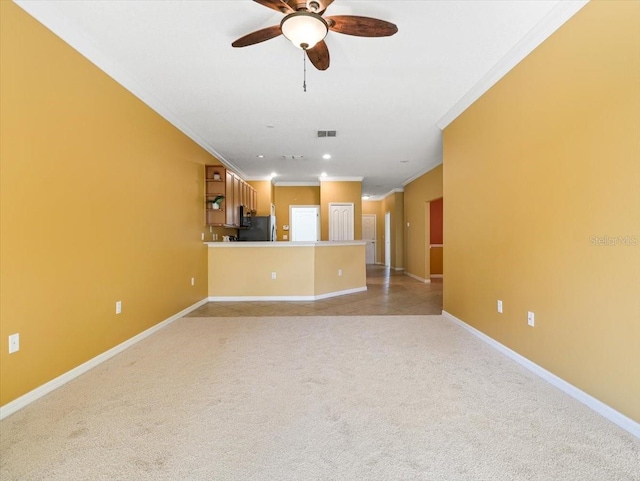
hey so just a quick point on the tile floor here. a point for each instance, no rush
(388, 293)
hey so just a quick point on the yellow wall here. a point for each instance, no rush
(417, 195)
(435, 261)
(536, 174)
(375, 207)
(265, 198)
(245, 271)
(394, 204)
(337, 191)
(293, 195)
(101, 200)
(348, 259)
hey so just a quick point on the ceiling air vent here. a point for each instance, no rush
(326, 133)
(293, 157)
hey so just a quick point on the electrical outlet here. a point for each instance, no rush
(339, 272)
(203, 236)
(193, 281)
(14, 343)
(273, 275)
(285, 237)
(118, 307)
(500, 306)
(531, 319)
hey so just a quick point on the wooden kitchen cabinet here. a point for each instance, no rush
(237, 200)
(254, 200)
(236, 192)
(245, 195)
(215, 186)
(229, 217)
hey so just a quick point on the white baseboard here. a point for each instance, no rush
(436, 276)
(601, 408)
(285, 298)
(398, 268)
(341, 293)
(61, 380)
(413, 276)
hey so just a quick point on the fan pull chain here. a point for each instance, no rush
(304, 68)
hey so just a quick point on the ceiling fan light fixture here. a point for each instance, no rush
(304, 29)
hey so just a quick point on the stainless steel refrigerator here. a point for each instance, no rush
(263, 228)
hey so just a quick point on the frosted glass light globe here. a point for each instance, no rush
(304, 29)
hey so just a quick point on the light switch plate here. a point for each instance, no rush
(14, 343)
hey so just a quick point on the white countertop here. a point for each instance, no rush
(286, 244)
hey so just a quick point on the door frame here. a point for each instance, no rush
(375, 235)
(427, 241)
(428, 244)
(387, 239)
(291, 223)
(353, 217)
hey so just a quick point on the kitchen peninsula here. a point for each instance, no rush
(285, 271)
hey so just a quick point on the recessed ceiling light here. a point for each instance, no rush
(324, 174)
(273, 174)
(326, 156)
(365, 197)
(260, 156)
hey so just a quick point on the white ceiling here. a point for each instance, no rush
(387, 97)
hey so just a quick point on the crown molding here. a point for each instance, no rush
(420, 174)
(297, 184)
(378, 198)
(341, 179)
(394, 191)
(47, 15)
(562, 12)
(259, 178)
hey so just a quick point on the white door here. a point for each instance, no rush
(340, 222)
(387, 239)
(305, 223)
(369, 235)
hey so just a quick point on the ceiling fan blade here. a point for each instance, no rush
(319, 55)
(361, 26)
(258, 36)
(278, 5)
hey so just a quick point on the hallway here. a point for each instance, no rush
(388, 293)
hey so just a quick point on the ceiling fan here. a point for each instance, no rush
(306, 28)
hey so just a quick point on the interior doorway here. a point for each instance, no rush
(369, 236)
(387, 239)
(434, 239)
(304, 223)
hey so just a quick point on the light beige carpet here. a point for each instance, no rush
(313, 398)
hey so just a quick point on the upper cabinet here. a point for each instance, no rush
(229, 193)
(221, 182)
(215, 195)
